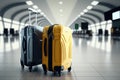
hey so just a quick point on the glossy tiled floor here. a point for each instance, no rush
(96, 58)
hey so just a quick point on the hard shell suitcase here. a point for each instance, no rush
(12, 32)
(5, 31)
(56, 49)
(106, 33)
(31, 47)
(100, 32)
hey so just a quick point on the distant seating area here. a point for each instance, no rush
(83, 33)
(10, 32)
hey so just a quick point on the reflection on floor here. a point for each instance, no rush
(96, 58)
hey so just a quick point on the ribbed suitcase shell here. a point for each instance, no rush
(61, 56)
(31, 47)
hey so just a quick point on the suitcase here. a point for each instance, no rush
(31, 47)
(12, 32)
(56, 49)
(106, 33)
(100, 32)
(89, 32)
(5, 31)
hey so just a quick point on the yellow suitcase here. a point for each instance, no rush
(56, 49)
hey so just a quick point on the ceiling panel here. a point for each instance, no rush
(71, 9)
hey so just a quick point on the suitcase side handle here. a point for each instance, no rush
(45, 45)
(24, 44)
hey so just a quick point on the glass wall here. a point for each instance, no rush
(1, 27)
(109, 25)
(105, 25)
(7, 23)
(15, 26)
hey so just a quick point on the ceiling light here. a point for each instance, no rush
(15, 22)
(39, 10)
(82, 13)
(79, 15)
(60, 2)
(85, 10)
(89, 7)
(42, 13)
(22, 23)
(33, 10)
(97, 24)
(35, 7)
(61, 10)
(45, 15)
(92, 25)
(29, 2)
(95, 3)
(103, 23)
(7, 20)
(109, 21)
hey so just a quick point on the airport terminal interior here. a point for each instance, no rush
(95, 26)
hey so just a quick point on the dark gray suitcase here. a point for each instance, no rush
(31, 47)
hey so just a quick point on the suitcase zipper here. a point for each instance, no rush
(50, 54)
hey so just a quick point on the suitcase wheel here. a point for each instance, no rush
(45, 72)
(30, 68)
(22, 65)
(45, 69)
(59, 73)
(69, 69)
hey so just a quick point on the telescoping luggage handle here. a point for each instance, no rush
(36, 13)
(29, 16)
(45, 44)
